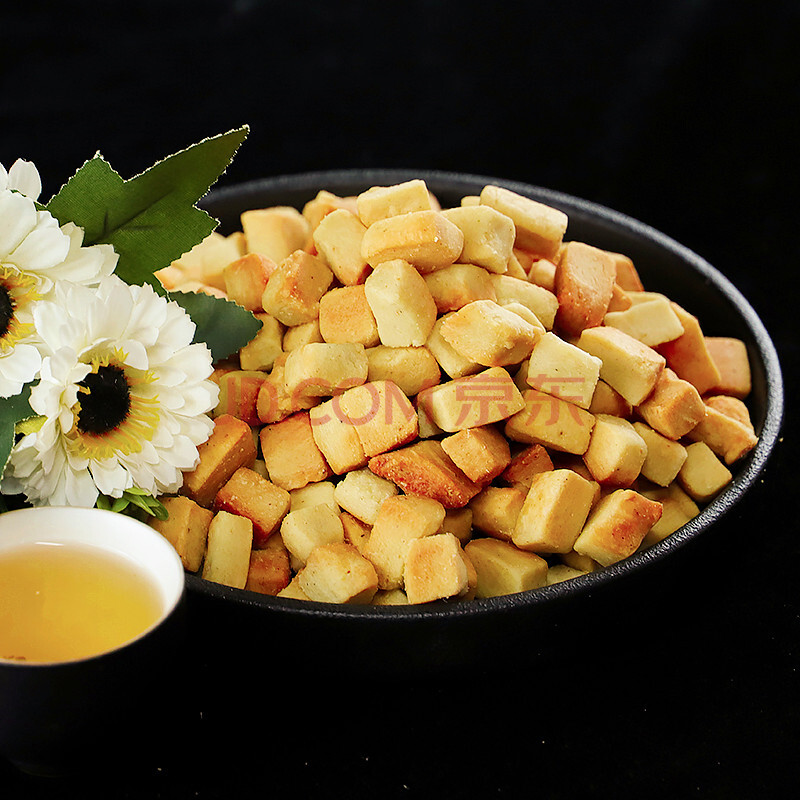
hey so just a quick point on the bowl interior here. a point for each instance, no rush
(664, 265)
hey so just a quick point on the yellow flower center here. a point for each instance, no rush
(17, 292)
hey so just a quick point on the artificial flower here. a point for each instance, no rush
(23, 177)
(122, 400)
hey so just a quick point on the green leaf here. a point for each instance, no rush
(150, 219)
(12, 410)
(223, 325)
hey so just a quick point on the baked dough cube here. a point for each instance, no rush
(481, 453)
(726, 436)
(338, 238)
(295, 287)
(434, 569)
(411, 368)
(229, 447)
(674, 407)
(381, 202)
(401, 304)
(527, 463)
(504, 569)
(449, 359)
(275, 402)
(320, 493)
(400, 520)
(526, 314)
(665, 457)
(732, 407)
(336, 437)
(262, 350)
(292, 457)
(426, 239)
(584, 284)
(543, 303)
(485, 332)
(322, 370)
(310, 527)
(458, 521)
(688, 355)
(345, 316)
(552, 422)
(356, 532)
(554, 511)
(381, 414)
(488, 236)
(246, 278)
(473, 400)
(424, 469)
(542, 272)
(274, 232)
(454, 286)
(362, 493)
(607, 400)
(678, 509)
(617, 525)
(652, 323)
(616, 452)
(390, 597)
(294, 590)
(579, 561)
(427, 427)
(238, 394)
(249, 495)
(539, 228)
(323, 204)
(338, 573)
(730, 357)
(206, 261)
(561, 369)
(625, 273)
(630, 367)
(558, 573)
(230, 540)
(620, 299)
(269, 571)
(298, 335)
(495, 510)
(186, 529)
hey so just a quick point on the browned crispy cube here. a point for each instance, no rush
(527, 463)
(454, 286)
(495, 510)
(295, 287)
(606, 400)
(323, 369)
(323, 204)
(275, 402)
(381, 202)
(345, 316)
(246, 278)
(480, 453)
(238, 394)
(229, 447)
(338, 573)
(186, 529)
(730, 357)
(458, 521)
(732, 407)
(674, 407)
(356, 532)
(678, 509)
(584, 284)
(434, 569)
(250, 495)
(488, 236)
(262, 350)
(542, 272)
(617, 525)
(726, 436)
(688, 355)
(291, 454)
(269, 571)
(625, 273)
(425, 469)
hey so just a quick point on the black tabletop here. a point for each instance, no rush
(680, 681)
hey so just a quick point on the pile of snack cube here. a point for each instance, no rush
(444, 404)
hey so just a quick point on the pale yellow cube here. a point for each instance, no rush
(323, 203)
(345, 316)
(616, 452)
(295, 287)
(320, 493)
(542, 303)
(525, 313)
(186, 529)
(298, 335)
(488, 236)
(495, 510)
(336, 437)
(539, 228)
(563, 370)
(230, 540)
(401, 303)
(489, 334)
(262, 350)
(652, 323)
(458, 521)
(728, 437)
(338, 573)
(703, 474)
(558, 573)
(630, 367)
(356, 532)
(454, 286)
(310, 527)
(275, 232)
(678, 509)
(664, 458)
(206, 261)
(362, 493)
(381, 202)
(434, 569)
(294, 590)
(426, 239)
(325, 369)
(555, 509)
(390, 597)
(411, 368)
(448, 358)
(338, 238)
(504, 569)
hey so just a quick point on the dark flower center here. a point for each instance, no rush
(106, 400)
(6, 310)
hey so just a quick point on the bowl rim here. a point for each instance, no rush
(754, 464)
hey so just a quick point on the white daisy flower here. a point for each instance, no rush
(22, 177)
(123, 397)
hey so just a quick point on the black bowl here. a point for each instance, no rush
(519, 627)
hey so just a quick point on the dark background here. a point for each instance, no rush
(682, 114)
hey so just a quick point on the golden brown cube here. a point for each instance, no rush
(674, 407)
(449, 359)
(324, 369)
(292, 457)
(606, 400)
(269, 571)
(321, 493)
(616, 452)
(584, 285)
(665, 456)
(527, 463)
(454, 286)
(458, 521)
(345, 316)
(495, 510)
(295, 287)
(488, 236)
(246, 278)
(434, 569)
(336, 437)
(625, 273)
(238, 394)
(730, 357)
(275, 402)
(411, 368)
(338, 573)
(262, 350)
(678, 509)
(381, 202)
(356, 532)
(540, 301)
(186, 529)
(298, 335)
(274, 232)
(481, 453)
(724, 434)
(310, 527)
(504, 569)
(652, 323)
(362, 493)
